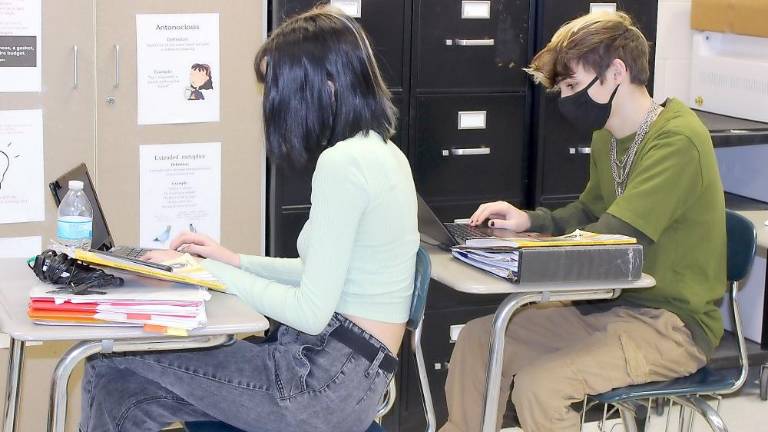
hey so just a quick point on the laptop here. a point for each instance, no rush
(102, 238)
(445, 235)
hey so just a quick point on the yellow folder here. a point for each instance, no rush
(186, 269)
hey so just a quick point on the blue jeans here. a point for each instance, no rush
(297, 382)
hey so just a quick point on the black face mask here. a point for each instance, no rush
(583, 112)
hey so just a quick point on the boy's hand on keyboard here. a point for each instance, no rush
(501, 214)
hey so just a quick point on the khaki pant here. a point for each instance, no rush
(556, 356)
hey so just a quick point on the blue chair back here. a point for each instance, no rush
(742, 243)
(420, 288)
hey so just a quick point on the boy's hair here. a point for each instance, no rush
(594, 41)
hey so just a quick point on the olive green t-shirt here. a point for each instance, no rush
(674, 196)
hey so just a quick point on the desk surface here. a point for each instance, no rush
(465, 278)
(226, 313)
(758, 218)
(731, 131)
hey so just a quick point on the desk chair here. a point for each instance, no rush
(685, 391)
(418, 303)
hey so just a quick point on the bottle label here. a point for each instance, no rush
(74, 229)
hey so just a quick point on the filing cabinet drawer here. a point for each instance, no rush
(564, 154)
(438, 346)
(469, 147)
(471, 45)
(285, 230)
(290, 186)
(381, 19)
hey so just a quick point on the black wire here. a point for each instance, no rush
(51, 267)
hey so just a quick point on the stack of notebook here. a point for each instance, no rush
(162, 302)
(579, 256)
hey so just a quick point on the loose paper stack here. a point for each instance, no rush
(160, 306)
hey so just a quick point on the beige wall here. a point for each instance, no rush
(78, 129)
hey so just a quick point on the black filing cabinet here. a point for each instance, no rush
(470, 103)
(561, 153)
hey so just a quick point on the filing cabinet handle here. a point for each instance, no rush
(470, 42)
(74, 67)
(117, 66)
(467, 151)
(580, 150)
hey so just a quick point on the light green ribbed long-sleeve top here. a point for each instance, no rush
(357, 250)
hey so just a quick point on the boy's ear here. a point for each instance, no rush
(619, 71)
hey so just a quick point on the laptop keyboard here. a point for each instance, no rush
(462, 232)
(131, 252)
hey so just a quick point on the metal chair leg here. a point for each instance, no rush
(628, 419)
(681, 418)
(690, 422)
(648, 415)
(700, 406)
(605, 415)
(669, 414)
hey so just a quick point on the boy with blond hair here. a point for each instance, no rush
(653, 176)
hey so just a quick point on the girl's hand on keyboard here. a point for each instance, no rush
(204, 246)
(160, 255)
(501, 214)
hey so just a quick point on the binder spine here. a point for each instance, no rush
(577, 263)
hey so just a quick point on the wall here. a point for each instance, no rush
(673, 50)
(741, 168)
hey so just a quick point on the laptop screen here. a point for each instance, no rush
(102, 239)
(431, 229)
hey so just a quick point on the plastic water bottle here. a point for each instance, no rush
(74, 227)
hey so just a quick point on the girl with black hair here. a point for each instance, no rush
(343, 304)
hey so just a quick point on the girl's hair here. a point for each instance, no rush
(204, 68)
(321, 86)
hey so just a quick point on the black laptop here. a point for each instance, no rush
(446, 235)
(102, 239)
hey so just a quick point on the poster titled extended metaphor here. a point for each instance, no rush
(180, 188)
(20, 52)
(179, 79)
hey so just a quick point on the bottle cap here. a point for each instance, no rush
(76, 184)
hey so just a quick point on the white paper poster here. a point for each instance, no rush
(20, 247)
(20, 45)
(178, 68)
(21, 166)
(180, 191)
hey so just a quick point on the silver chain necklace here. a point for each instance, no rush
(620, 169)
